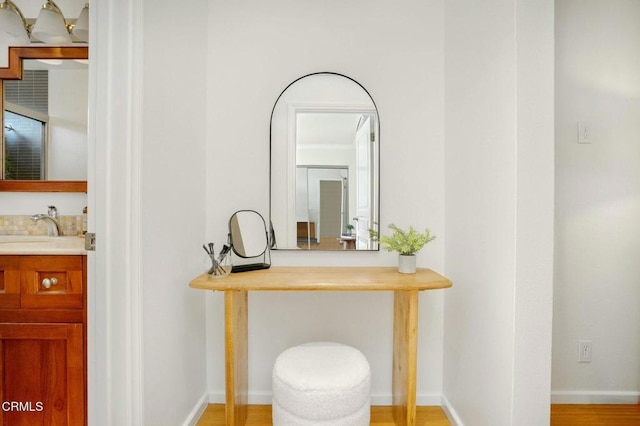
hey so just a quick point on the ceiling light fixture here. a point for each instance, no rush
(81, 26)
(50, 27)
(15, 31)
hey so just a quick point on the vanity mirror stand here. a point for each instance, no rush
(249, 239)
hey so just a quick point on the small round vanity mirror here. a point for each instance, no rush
(248, 232)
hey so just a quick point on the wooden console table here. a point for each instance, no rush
(405, 322)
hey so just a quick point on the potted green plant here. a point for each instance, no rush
(407, 244)
(350, 229)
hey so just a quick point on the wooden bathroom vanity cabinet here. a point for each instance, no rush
(405, 288)
(42, 338)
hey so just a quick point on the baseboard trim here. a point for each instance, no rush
(264, 398)
(217, 398)
(254, 398)
(595, 397)
(450, 412)
(429, 399)
(196, 412)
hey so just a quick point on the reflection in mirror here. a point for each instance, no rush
(44, 114)
(324, 166)
(248, 238)
(45, 122)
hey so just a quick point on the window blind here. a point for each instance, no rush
(25, 130)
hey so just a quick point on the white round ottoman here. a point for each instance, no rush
(321, 384)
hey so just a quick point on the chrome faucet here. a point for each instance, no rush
(53, 227)
(52, 212)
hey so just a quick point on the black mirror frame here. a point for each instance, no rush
(266, 253)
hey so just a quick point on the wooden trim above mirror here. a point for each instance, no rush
(14, 72)
(43, 186)
(17, 54)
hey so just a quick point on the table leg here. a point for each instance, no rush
(236, 356)
(405, 348)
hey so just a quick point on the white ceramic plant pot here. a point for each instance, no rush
(407, 264)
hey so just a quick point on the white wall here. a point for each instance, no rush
(596, 293)
(28, 203)
(67, 145)
(395, 50)
(146, 332)
(499, 210)
(173, 131)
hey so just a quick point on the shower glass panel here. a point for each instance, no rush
(24, 147)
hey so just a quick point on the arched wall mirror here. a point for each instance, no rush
(44, 107)
(324, 166)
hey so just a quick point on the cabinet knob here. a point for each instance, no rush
(48, 282)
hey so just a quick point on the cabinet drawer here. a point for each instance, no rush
(9, 282)
(52, 282)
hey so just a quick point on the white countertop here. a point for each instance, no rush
(41, 245)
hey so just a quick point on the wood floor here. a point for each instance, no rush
(561, 415)
(260, 415)
(595, 415)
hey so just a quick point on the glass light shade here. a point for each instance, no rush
(81, 27)
(50, 27)
(12, 32)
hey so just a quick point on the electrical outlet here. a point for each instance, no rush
(584, 133)
(584, 351)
